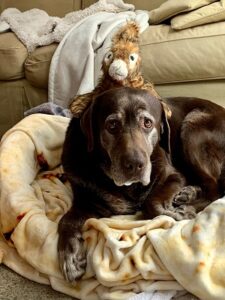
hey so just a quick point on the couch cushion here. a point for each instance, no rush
(173, 7)
(37, 65)
(179, 56)
(17, 96)
(204, 15)
(12, 57)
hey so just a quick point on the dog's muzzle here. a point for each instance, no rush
(132, 169)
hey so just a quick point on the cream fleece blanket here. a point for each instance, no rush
(125, 255)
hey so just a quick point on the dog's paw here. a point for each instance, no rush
(72, 258)
(189, 194)
(183, 212)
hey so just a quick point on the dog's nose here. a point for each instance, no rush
(132, 164)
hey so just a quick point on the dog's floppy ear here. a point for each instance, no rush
(165, 128)
(86, 127)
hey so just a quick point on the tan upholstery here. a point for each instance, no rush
(173, 7)
(213, 90)
(37, 66)
(168, 55)
(204, 15)
(15, 98)
(12, 57)
(52, 7)
(139, 4)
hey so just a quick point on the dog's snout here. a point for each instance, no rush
(132, 164)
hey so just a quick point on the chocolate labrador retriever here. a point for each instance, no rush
(118, 160)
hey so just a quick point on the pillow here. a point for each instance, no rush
(173, 7)
(204, 15)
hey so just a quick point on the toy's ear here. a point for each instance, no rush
(128, 33)
(165, 128)
(86, 127)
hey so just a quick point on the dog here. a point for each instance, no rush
(117, 159)
(197, 140)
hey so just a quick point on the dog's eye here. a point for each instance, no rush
(147, 122)
(112, 126)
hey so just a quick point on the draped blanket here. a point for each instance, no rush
(126, 255)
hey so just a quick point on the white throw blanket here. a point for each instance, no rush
(125, 255)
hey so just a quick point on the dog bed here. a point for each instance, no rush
(125, 255)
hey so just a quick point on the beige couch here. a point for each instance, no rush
(185, 62)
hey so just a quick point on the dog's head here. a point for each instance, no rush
(123, 126)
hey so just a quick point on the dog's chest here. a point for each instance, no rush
(136, 194)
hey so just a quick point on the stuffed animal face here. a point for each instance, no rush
(122, 63)
(123, 60)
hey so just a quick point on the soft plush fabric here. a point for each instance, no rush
(193, 54)
(214, 12)
(125, 254)
(49, 108)
(173, 7)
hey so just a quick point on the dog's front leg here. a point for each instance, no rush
(72, 255)
(160, 200)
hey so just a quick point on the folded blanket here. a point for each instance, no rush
(36, 28)
(126, 255)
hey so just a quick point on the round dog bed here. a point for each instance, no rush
(125, 255)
